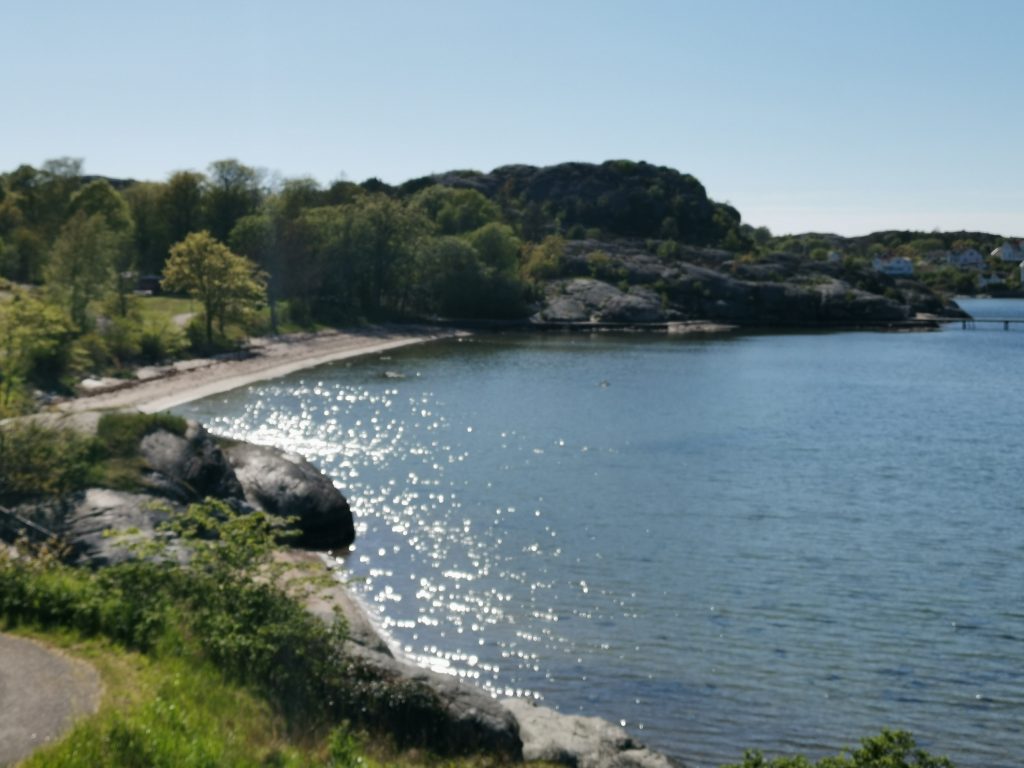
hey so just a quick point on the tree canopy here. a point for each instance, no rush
(225, 283)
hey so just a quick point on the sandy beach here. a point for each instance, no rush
(159, 388)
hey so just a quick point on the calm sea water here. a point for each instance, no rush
(774, 541)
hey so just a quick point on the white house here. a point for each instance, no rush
(1011, 250)
(894, 266)
(834, 257)
(969, 259)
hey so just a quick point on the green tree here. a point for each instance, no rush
(232, 190)
(31, 332)
(98, 198)
(150, 233)
(382, 243)
(497, 245)
(181, 206)
(321, 282)
(256, 237)
(81, 267)
(455, 211)
(58, 179)
(23, 255)
(544, 260)
(225, 283)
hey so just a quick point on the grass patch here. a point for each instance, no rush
(161, 309)
(166, 711)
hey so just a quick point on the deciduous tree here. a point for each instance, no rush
(232, 190)
(30, 331)
(225, 283)
(81, 266)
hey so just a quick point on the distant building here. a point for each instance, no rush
(969, 259)
(894, 266)
(1011, 250)
(834, 257)
(985, 281)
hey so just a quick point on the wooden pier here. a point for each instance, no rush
(1006, 322)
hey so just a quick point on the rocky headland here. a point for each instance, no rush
(623, 282)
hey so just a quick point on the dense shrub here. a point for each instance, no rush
(119, 434)
(890, 749)
(41, 461)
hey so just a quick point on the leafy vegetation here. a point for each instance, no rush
(37, 460)
(222, 616)
(225, 284)
(890, 749)
(168, 711)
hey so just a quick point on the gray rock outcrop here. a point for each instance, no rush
(450, 715)
(586, 300)
(100, 525)
(622, 282)
(286, 484)
(581, 742)
(180, 469)
(188, 468)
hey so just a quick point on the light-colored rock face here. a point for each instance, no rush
(585, 300)
(286, 484)
(582, 742)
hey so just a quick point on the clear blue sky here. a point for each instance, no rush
(827, 115)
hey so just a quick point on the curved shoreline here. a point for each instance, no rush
(546, 734)
(160, 388)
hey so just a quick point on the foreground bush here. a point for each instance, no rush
(38, 461)
(890, 749)
(224, 611)
(214, 610)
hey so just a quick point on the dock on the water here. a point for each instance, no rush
(971, 322)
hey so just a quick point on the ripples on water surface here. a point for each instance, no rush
(784, 542)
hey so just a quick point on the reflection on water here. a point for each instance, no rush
(784, 542)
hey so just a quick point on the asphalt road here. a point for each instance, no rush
(42, 692)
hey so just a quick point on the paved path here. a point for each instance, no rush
(42, 692)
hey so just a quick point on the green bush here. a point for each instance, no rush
(119, 434)
(890, 749)
(217, 609)
(117, 462)
(41, 461)
(160, 340)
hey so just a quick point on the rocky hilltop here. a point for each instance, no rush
(641, 243)
(621, 198)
